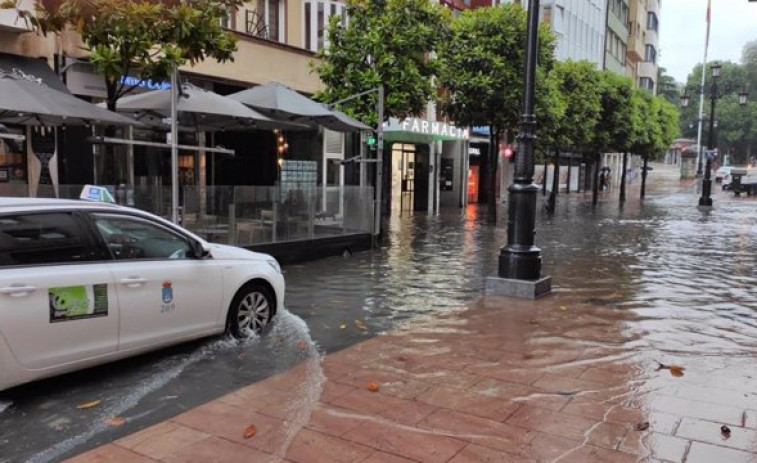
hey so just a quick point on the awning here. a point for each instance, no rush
(36, 67)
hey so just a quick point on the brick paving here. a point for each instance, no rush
(559, 379)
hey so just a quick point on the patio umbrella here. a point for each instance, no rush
(27, 101)
(200, 109)
(281, 102)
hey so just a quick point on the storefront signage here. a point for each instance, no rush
(474, 151)
(147, 84)
(433, 128)
(82, 80)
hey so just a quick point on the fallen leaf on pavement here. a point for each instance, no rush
(250, 431)
(91, 404)
(116, 421)
(675, 370)
(361, 324)
(642, 426)
(562, 307)
(372, 386)
(342, 326)
(725, 430)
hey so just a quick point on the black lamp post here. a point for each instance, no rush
(716, 92)
(520, 259)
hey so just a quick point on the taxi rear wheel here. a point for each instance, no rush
(251, 310)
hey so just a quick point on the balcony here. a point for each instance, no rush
(10, 22)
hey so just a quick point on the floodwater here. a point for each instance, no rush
(682, 281)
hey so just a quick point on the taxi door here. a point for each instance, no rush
(57, 297)
(164, 294)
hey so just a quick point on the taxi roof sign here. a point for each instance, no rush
(96, 193)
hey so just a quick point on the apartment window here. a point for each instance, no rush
(230, 21)
(652, 23)
(650, 54)
(316, 21)
(647, 83)
(266, 20)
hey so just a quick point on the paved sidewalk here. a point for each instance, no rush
(560, 379)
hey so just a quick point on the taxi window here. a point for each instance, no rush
(46, 238)
(130, 238)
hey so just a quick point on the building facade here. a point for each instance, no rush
(616, 36)
(579, 26)
(648, 67)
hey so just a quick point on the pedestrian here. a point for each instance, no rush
(602, 179)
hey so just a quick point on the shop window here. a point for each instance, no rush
(12, 159)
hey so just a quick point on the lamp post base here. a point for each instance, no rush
(705, 202)
(525, 289)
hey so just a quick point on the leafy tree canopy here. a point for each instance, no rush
(579, 85)
(620, 121)
(389, 42)
(483, 65)
(144, 38)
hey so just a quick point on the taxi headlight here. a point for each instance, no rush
(275, 265)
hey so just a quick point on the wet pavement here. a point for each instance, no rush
(632, 286)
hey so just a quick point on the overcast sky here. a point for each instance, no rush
(683, 29)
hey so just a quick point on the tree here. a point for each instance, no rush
(482, 68)
(389, 42)
(578, 84)
(141, 38)
(749, 62)
(735, 132)
(667, 87)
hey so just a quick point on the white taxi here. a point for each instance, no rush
(84, 283)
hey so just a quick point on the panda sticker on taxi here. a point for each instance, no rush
(78, 302)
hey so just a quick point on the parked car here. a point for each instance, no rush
(84, 283)
(744, 180)
(721, 173)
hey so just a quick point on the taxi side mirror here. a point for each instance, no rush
(199, 251)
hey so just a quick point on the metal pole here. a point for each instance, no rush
(379, 163)
(520, 259)
(701, 106)
(174, 147)
(705, 200)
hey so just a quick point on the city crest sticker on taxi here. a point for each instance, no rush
(167, 296)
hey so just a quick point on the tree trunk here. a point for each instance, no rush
(544, 177)
(595, 186)
(552, 201)
(644, 177)
(623, 178)
(108, 161)
(492, 180)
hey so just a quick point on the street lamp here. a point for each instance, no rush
(520, 261)
(716, 91)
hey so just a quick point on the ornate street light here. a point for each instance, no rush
(716, 91)
(520, 261)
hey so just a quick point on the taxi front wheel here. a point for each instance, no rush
(250, 311)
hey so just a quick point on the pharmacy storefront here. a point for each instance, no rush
(424, 165)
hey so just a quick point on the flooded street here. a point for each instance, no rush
(658, 281)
